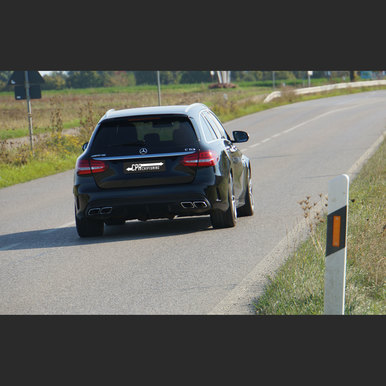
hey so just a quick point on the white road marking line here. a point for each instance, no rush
(299, 125)
(315, 118)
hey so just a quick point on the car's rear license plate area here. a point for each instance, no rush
(152, 166)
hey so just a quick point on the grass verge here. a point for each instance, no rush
(298, 286)
(35, 168)
(53, 154)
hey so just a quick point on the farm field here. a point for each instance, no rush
(72, 103)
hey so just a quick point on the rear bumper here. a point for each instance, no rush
(149, 203)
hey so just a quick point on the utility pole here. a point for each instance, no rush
(28, 98)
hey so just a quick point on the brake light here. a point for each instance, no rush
(84, 166)
(202, 158)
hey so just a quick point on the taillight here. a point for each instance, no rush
(207, 158)
(202, 158)
(84, 166)
(98, 166)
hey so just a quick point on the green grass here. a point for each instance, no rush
(35, 168)
(24, 132)
(53, 154)
(298, 286)
(195, 87)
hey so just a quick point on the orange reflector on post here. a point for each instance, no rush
(336, 231)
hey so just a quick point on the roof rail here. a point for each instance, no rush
(193, 105)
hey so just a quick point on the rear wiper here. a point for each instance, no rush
(136, 143)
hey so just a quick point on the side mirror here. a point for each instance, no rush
(240, 136)
(84, 146)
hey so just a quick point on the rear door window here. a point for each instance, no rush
(158, 134)
(210, 134)
(217, 125)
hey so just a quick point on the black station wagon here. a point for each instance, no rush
(161, 162)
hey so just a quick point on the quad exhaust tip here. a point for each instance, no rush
(185, 204)
(194, 204)
(106, 210)
(96, 211)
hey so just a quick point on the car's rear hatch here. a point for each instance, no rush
(143, 151)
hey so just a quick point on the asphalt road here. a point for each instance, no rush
(181, 266)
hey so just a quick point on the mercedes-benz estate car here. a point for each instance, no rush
(161, 162)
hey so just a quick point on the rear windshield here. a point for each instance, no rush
(125, 136)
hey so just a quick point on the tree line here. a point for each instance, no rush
(82, 79)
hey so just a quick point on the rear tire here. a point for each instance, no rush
(89, 228)
(227, 219)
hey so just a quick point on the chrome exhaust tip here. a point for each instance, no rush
(194, 204)
(200, 204)
(187, 204)
(94, 211)
(106, 210)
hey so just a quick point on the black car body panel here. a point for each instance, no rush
(158, 162)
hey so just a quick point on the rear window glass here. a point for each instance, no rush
(125, 136)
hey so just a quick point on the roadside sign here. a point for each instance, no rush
(27, 86)
(18, 78)
(34, 91)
